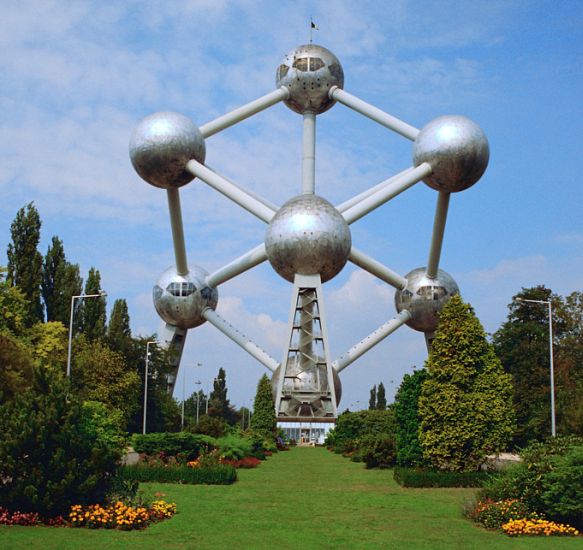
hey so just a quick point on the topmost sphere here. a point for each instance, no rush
(308, 72)
(457, 150)
(160, 147)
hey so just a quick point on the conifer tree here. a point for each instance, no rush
(219, 405)
(119, 333)
(25, 261)
(466, 400)
(381, 398)
(93, 315)
(372, 402)
(263, 419)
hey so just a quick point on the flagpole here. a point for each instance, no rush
(311, 28)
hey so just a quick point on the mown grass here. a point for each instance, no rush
(304, 498)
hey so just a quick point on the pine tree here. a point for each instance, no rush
(61, 281)
(25, 261)
(381, 398)
(219, 405)
(118, 331)
(263, 419)
(92, 312)
(372, 402)
(466, 400)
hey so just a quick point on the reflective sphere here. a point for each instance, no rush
(160, 147)
(457, 150)
(308, 72)
(308, 235)
(425, 298)
(180, 299)
(305, 381)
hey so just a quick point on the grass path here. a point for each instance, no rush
(305, 498)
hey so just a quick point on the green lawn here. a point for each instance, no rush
(304, 498)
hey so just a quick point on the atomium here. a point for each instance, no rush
(307, 240)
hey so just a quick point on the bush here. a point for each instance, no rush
(210, 425)
(217, 475)
(493, 515)
(184, 445)
(50, 454)
(417, 477)
(377, 450)
(234, 447)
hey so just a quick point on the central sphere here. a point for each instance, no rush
(308, 235)
(308, 72)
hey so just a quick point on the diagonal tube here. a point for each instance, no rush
(401, 183)
(177, 231)
(252, 108)
(371, 191)
(237, 194)
(241, 264)
(374, 113)
(370, 341)
(250, 347)
(377, 269)
(438, 232)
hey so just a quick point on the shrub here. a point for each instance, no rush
(377, 450)
(234, 447)
(417, 477)
(493, 515)
(184, 445)
(210, 425)
(50, 457)
(215, 475)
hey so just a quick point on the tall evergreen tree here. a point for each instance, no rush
(61, 281)
(118, 330)
(25, 261)
(466, 400)
(263, 419)
(93, 315)
(372, 402)
(219, 405)
(381, 398)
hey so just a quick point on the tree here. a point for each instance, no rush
(118, 331)
(16, 363)
(263, 419)
(13, 307)
(372, 402)
(409, 452)
(25, 261)
(219, 405)
(49, 458)
(465, 404)
(522, 344)
(93, 313)
(381, 398)
(61, 281)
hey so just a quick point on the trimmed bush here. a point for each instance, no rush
(377, 450)
(217, 475)
(183, 444)
(416, 477)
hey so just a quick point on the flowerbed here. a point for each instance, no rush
(538, 527)
(96, 516)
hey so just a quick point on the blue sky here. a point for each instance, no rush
(78, 76)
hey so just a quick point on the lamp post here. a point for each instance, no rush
(198, 383)
(146, 384)
(548, 303)
(73, 298)
(183, 393)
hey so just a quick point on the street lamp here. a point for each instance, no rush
(548, 303)
(146, 384)
(183, 387)
(73, 298)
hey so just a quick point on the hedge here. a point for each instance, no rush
(217, 475)
(417, 477)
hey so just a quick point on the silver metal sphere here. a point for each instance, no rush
(424, 298)
(180, 299)
(305, 381)
(457, 150)
(308, 235)
(308, 72)
(160, 147)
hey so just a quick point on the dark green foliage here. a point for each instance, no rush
(13, 307)
(219, 405)
(211, 426)
(190, 446)
(409, 452)
(465, 404)
(381, 397)
(51, 455)
(263, 419)
(493, 515)
(16, 364)
(418, 477)
(372, 402)
(25, 261)
(377, 450)
(216, 475)
(92, 311)
(119, 333)
(549, 480)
